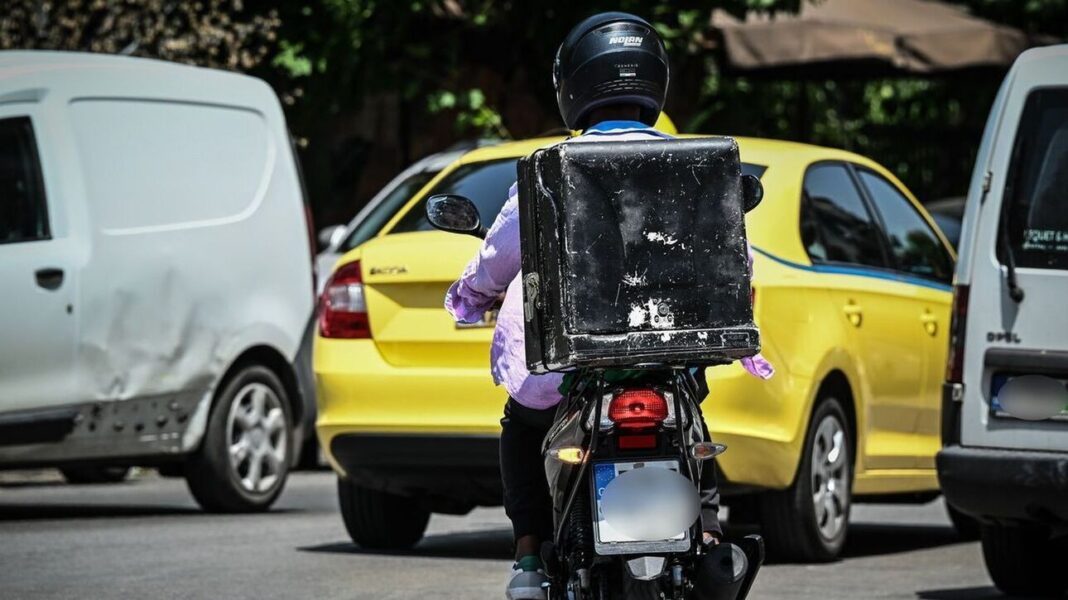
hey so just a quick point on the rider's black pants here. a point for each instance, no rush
(526, 492)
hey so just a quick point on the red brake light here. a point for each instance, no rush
(957, 327)
(342, 308)
(645, 441)
(638, 409)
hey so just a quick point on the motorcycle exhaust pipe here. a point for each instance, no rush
(719, 575)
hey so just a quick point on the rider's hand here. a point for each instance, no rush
(711, 538)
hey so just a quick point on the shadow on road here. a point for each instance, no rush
(32, 512)
(870, 539)
(873, 539)
(496, 544)
(59, 511)
(969, 593)
(492, 544)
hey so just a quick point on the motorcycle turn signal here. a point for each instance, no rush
(569, 454)
(706, 450)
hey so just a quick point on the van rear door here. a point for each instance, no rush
(1026, 203)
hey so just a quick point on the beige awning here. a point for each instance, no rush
(865, 36)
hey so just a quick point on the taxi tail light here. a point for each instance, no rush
(638, 409)
(343, 307)
(957, 326)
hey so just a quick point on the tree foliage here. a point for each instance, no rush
(214, 33)
(482, 67)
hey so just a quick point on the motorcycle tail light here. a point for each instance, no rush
(638, 409)
(645, 441)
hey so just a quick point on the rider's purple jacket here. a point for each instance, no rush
(496, 269)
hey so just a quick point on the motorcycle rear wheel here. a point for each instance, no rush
(617, 584)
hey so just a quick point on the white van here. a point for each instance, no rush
(1004, 461)
(155, 273)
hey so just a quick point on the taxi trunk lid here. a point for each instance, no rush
(405, 279)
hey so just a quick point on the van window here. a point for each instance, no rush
(170, 164)
(23, 212)
(1036, 186)
(836, 225)
(915, 247)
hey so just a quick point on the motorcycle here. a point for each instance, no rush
(625, 459)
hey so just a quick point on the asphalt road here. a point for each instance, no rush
(147, 539)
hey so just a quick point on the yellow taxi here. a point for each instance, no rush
(852, 294)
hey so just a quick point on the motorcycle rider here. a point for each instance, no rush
(611, 78)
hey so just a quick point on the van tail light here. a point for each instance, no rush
(343, 308)
(638, 409)
(957, 327)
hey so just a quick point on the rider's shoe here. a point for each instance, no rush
(528, 580)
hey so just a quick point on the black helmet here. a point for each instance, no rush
(610, 58)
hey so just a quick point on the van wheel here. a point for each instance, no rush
(808, 521)
(967, 526)
(1024, 561)
(379, 520)
(243, 461)
(86, 475)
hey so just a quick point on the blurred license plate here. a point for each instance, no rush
(604, 474)
(998, 381)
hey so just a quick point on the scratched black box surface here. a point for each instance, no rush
(634, 253)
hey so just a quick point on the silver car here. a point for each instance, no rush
(339, 239)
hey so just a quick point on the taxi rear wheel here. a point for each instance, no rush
(379, 520)
(808, 521)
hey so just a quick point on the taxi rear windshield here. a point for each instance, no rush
(486, 184)
(1036, 188)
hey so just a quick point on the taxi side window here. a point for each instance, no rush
(836, 226)
(23, 213)
(915, 247)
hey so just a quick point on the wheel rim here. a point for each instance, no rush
(257, 443)
(830, 477)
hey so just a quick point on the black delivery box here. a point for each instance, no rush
(634, 254)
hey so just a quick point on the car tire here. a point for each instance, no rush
(1024, 561)
(379, 520)
(798, 525)
(243, 460)
(967, 526)
(88, 475)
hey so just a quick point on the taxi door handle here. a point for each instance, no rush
(930, 323)
(853, 313)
